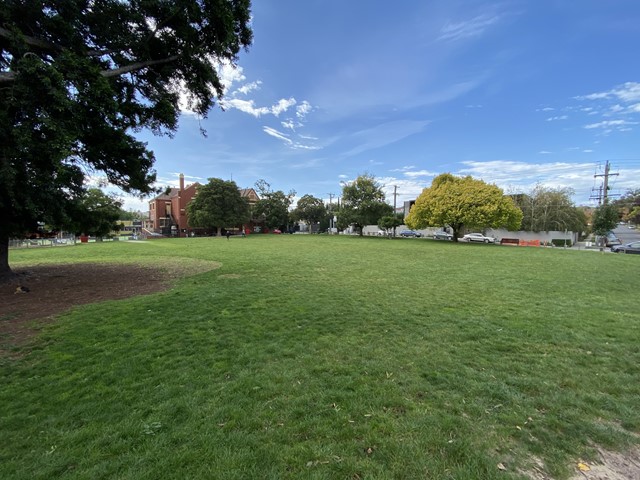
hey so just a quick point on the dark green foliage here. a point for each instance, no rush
(605, 218)
(97, 214)
(78, 79)
(273, 207)
(561, 242)
(362, 203)
(218, 204)
(310, 210)
(391, 221)
(629, 206)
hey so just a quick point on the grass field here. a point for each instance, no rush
(331, 358)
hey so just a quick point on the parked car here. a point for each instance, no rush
(478, 237)
(612, 240)
(442, 236)
(410, 233)
(631, 247)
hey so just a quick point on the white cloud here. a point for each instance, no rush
(406, 168)
(420, 173)
(586, 150)
(469, 28)
(283, 105)
(384, 134)
(608, 124)
(545, 109)
(249, 87)
(627, 92)
(286, 138)
(280, 135)
(246, 106)
(508, 173)
(303, 109)
(544, 152)
(230, 74)
(289, 124)
(559, 117)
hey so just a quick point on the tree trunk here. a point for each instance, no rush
(5, 270)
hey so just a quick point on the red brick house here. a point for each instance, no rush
(168, 211)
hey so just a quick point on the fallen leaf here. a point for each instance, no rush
(583, 467)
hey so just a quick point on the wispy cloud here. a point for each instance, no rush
(286, 138)
(468, 28)
(559, 117)
(627, 92)
(609, 124)
(545, 152)
(420, 173)
(384, 134)
(283, 105)
(249, 87)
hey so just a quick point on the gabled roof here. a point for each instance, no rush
(167, 195)
(248, 192)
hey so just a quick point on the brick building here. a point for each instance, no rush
(168, 211)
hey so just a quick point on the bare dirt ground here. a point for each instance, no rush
(38, 293)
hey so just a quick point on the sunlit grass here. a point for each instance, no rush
(331, 357)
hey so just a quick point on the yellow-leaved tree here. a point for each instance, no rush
(463, 202)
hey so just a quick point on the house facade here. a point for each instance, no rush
(168, 211)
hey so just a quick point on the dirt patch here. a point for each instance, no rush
(610, 466)
(40, 292)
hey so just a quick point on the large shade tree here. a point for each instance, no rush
(463, 202)
(362, 203)
(219, 205)
(273, 206)
(79, 78)
(311, 210)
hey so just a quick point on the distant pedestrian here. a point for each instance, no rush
(228, 234)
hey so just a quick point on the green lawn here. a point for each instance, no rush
(331, 358)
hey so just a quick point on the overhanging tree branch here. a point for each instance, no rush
(9, 77)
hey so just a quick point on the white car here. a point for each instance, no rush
(478, 237)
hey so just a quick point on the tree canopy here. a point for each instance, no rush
(629, 206)
(391, 221)
(545, 209)
(218, 204)
(97, 214)
(273, 206)
(463, 202)
(362, 203)
(605, 218)
(310, 209)
(79, 78)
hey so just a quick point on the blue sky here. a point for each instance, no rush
(514, 92)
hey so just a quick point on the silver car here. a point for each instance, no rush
(478, 237)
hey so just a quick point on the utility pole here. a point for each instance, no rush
(603, 194)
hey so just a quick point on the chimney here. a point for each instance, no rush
(181, 182)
